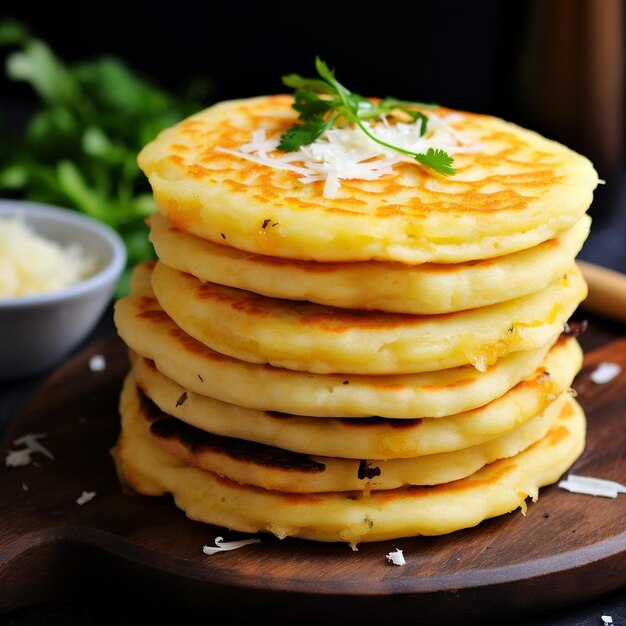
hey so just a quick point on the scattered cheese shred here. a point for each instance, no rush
(348, 153)
(224, 546)
(18, 458)
(605, 372)
(97, 363)
(22, 457)
(592, 486)
(31, 264)
(396, 557)
(85, 497)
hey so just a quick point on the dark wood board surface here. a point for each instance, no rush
(568, 547)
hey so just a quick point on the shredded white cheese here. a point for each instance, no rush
(97, 363)
(396, 557)
(85, 497)
(605, 372)
(592, 486)
(224, 546)
(31, 264)
(348, 153)
(23, 456)
(18, 458)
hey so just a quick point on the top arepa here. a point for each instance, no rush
(512, 190)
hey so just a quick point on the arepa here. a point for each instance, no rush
(514, 191)
(320, 339)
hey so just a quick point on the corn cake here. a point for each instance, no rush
(514, 192)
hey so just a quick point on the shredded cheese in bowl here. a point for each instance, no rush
(31, 264)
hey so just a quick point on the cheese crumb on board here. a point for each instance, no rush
(18, 458)
(31, 264)
(225, 546)
(592, 486)
(396, 557)
(24, 456)
(85, 497)
(605, 372)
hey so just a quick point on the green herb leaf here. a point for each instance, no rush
(303, 134)
(295, 81)
(310, 105)
(438, 160)
(324, 103)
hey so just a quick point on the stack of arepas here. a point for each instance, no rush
(384, 361)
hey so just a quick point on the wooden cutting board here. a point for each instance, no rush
(568, 547)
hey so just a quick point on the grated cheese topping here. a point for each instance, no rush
(396, 557)
(225, 546)
(348, 153)
(605, 372)
(592, 486)
(31, 264)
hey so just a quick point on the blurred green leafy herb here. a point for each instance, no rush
(78, 148)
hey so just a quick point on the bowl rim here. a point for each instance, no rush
(109, 273)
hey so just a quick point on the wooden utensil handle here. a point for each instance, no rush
(607, 290)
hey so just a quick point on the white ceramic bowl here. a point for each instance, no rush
(37, 331)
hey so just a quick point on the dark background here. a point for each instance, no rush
(457, 53)
(491, 56)
(556, 66)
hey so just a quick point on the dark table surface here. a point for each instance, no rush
(606, 246)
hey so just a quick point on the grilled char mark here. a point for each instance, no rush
(367, 471)
(149, 409)
(197, 441)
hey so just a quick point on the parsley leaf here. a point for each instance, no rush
(437, 159)
(324, 102)
(303, 134)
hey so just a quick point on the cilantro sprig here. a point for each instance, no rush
(324, 102)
